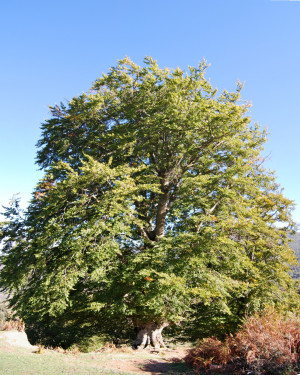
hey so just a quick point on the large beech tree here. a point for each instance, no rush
(155, 202)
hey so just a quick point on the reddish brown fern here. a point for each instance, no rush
(267, 344)
(12, 325)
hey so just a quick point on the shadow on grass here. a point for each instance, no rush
(157, 367)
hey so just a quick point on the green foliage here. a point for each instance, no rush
(154, 208)
(92, 343)
(64, 333)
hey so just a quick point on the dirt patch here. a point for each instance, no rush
(146, 362)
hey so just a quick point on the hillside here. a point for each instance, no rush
(3, 308)
(2, 297)
(295, 245)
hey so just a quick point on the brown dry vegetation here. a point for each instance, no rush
(267, 344)
(12, 325)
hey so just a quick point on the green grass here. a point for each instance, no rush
(21, 361)
(18, 361)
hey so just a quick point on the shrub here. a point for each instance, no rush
(92, 343)
(12, 325)
(72, 329)
(266, 344)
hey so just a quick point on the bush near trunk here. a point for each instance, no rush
(266, 344)
(75, 329)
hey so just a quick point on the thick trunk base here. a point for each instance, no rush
(150, 335)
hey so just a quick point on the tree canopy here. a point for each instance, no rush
(155, 205)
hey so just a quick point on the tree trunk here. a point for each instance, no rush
(150, 335)
(162, 210)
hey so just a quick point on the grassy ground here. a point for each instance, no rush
(19, 361)
(23, 361)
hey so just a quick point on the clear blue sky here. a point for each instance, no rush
(54, 50)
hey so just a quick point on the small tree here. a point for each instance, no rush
(154, 204)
